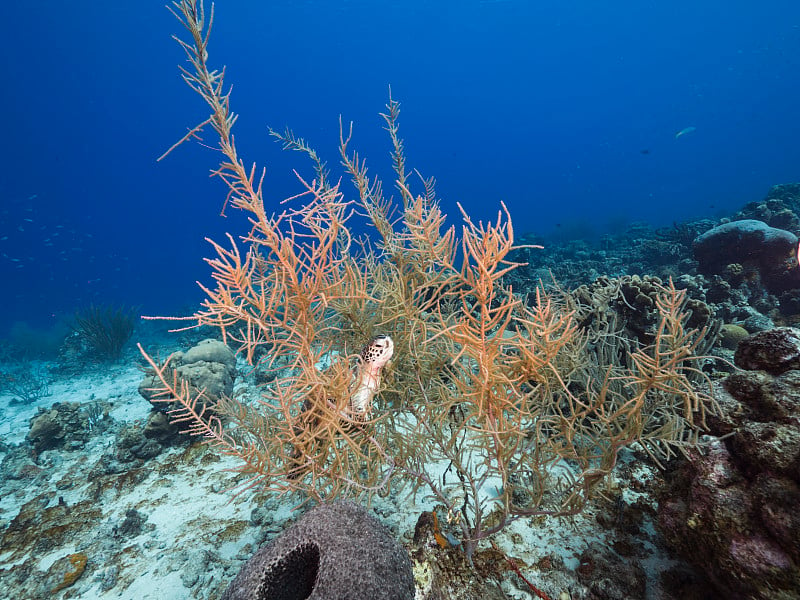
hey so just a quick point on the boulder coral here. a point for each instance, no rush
(749, 242)
(209, 366)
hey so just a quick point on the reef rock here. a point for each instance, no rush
(602, 572)
(63, 425)
(779, 208)
(775, 351)
(731, 509)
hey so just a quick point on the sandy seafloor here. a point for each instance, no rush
(196, 533)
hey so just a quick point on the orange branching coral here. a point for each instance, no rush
(525, 409)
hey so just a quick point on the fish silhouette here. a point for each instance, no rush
(684, 131)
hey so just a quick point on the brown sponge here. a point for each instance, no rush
(333, 552)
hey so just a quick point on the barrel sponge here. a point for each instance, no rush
(333, 552)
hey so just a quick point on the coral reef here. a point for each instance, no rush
(770, 251)
(780, 208)
(487, 400)
(64, 424)
(731, 508)
(775, 351)
(209, 366)
(731, 334)
(516, 396)
(628, 302)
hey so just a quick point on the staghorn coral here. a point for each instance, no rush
(526, 409)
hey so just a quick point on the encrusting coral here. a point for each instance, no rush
(526, 409)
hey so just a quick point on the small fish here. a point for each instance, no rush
(684, 131)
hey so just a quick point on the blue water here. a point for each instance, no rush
(566, 111)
